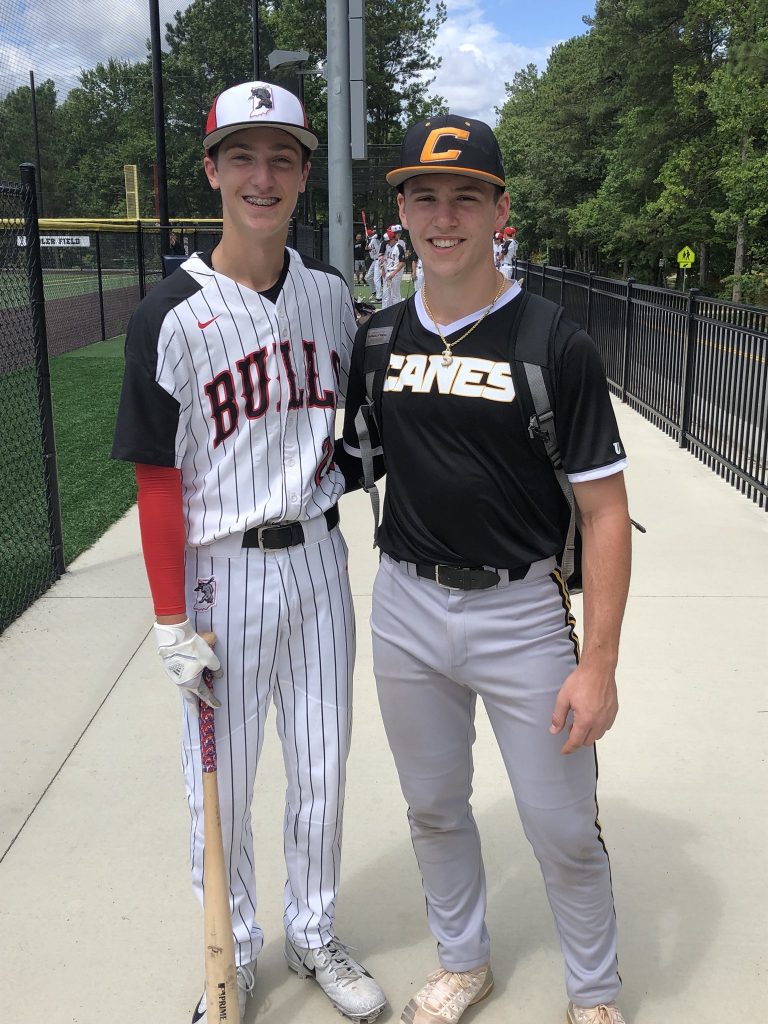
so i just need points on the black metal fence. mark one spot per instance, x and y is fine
(31, 555)
(695, 366)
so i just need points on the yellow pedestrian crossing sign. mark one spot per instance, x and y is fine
(686, 257)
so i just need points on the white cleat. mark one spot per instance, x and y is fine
(246, 976)
(447, 994)
(605, 1013)
(347, 984)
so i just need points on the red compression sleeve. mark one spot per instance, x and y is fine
(162, 536)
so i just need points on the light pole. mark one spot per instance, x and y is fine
(256, 41)
(287, 59)
(159, 113)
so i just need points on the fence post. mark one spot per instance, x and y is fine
(140, 259)
(627, 338)
(590, 282)
(42, 368)
(562, 284)
(686, 384)
(101, 286)
(543, 279)
(295, 233)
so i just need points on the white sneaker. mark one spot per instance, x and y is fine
(347, 984)
(447, 994)
(246, 976)
(605, 1013)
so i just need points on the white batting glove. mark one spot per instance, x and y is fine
(185, 655)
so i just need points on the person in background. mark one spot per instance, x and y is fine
(358, 254)
(373, 277)
(393, 267)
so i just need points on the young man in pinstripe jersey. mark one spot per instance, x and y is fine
(469, 601)
(235, 366)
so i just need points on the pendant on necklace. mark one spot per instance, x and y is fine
(447, 357)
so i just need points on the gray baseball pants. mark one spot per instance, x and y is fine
(434, 652)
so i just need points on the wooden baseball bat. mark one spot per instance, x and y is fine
(220, 971)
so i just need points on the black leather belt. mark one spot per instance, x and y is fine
(460, 578)
(283, 535)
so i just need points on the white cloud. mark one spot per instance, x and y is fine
(477, 60)
(91, 31)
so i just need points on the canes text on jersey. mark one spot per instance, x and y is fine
(255, 395)
(466, 376)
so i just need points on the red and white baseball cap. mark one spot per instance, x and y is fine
(510, 232)
(395, 228)
(256, 104)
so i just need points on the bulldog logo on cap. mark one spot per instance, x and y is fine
(261, 97)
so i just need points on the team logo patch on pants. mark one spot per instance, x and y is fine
(206, 593)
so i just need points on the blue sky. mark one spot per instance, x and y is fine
(532, 24)
(483, 43)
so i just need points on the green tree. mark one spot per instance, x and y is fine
(16, 130)
(107, 123)
(552, 133)
(737, 95)
(210, 49)
(400, 36)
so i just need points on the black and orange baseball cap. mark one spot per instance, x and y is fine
(450, 144)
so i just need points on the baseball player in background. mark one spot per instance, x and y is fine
(508, 253)
(373, 277)
(393, 266)
(235, 366)
(498, 238)
(469, 601)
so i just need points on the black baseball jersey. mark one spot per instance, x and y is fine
(239, 389)
(465, 485)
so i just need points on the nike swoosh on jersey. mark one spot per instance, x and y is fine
(202, 325)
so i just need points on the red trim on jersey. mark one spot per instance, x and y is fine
(163, 536)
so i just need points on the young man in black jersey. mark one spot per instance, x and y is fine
(469, 600)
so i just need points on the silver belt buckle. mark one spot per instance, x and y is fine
(439, 582)
(260, 533)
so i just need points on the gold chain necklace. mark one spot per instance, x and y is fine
(450, 345)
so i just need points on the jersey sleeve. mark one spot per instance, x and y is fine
(148, 414)
(587, 431)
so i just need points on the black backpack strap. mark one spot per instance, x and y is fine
(535, 351)
(381, 331)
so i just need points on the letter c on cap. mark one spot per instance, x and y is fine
(428, 154)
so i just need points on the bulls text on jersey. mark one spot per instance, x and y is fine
(255, 392)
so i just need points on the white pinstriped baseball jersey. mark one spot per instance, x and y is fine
(238, 390)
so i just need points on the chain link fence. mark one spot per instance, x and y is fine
(30, 553)
(96, 274)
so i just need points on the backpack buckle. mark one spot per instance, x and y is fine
(538, 427)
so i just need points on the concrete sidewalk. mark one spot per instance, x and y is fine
(97, 921)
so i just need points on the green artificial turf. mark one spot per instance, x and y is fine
(14, 290)
(95, 490)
